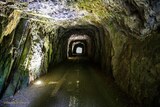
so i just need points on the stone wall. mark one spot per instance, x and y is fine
(129, 47)
(24, 54)
(30, 42)
(135, 66)
(133, 27)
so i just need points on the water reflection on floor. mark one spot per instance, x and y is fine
(71, 85)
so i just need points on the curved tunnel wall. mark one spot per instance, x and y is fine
(39, 44)
(31, 39)
(135, 70)
(79, 39)
(100, 45)
(72, 49)
(65, 33)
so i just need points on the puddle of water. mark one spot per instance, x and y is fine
(52, 82)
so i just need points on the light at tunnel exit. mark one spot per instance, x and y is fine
(79, 50)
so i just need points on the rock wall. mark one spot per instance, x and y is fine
(133, 27)
(25, 50)
(135, 66)
(129, 49)
(30, 42)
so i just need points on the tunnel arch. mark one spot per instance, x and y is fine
(101, 44)
(64, 34)
(85, 42)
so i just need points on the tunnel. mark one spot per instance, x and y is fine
(79, 53)
(88, 37)
(79, 46)
(78, 49)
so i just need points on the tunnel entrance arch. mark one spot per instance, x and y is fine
(63, 39)
(81, 41)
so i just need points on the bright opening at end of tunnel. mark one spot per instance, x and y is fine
(79, 50)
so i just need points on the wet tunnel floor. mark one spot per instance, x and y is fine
(71, 85)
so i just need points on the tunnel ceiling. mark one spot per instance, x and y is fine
(124, 34)
(136, 18)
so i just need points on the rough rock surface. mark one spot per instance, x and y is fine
(129, 46)
(134, 32)
(30, 41)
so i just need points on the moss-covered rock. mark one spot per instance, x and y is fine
(127, 44)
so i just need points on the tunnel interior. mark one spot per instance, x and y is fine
(88, 39)
(80, 49)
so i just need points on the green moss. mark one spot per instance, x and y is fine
(95, 7)
(26, 49)
(6, 70)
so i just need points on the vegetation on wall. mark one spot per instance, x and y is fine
(131, 36)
